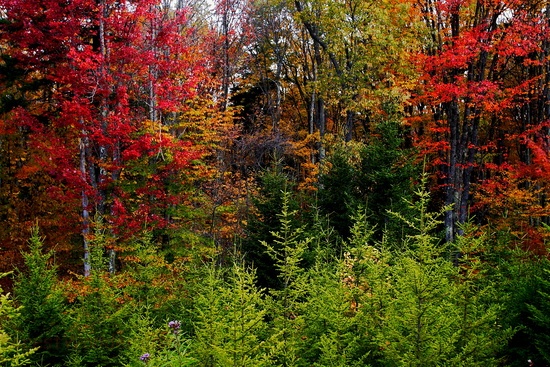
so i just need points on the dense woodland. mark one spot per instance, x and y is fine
(274, 183)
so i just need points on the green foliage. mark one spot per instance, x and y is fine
(337, 195)
(435, 305)
(98, 316)
(12, 352)
(144, 263)
(376, 175)
(385, 178)
(262, 226)
(286, 305)
(333, 334)
(229, 319)
(41, 321)
(539, 308)
(153, 345)
(482, 333)
(514, 275)
(97, 324)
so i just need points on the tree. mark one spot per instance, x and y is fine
(115, 79)
(41, 322)
(12, 352)
(230, 324)
(364, 47)
(275, 188)
(538, 307)
(285, 305)
(376, 175)
(471, 87)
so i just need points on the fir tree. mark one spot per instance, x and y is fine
(262, 225)
(41, 320)
(12, 352)
(539, 308)
(229, 323)
(286, 304)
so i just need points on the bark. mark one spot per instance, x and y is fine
(84, 147)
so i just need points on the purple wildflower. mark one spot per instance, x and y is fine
(145, 357)
(175, 326)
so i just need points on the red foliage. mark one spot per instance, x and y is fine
(96, 86)
(481, 96)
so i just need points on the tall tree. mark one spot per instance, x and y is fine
(472, 49)
(114, 78)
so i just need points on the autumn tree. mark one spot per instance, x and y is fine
(117, 78)
(471, 89)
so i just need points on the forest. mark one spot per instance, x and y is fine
(274, 183)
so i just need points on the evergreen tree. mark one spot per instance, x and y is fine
(384, 179)
(338, 196)
(286, 304)
(438, 313)
(333, 334)
(229, 324)
(261, 225)
(41, 320)
(150, 344)
(539, 308)
(514, 275)
(375, 175)
(12, 352)
(97, 318)
(482, 335)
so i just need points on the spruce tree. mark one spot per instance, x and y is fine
(419, 327)
(338, 194)
(375, 175)
(13, 353)
(155, 344)
(333, 334)
(264, 222)
(439, 312)
(286, 304)
(97, 318)
(229, 319)
(482, 335)
(41, 320)
(539, 308)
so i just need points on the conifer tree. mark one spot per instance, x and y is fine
(12, 352)
(540, 314)
(41, 319)
(420, 321)
(286, 304)
(333, 334)
(262, 225)
(438, 313)
(152, 345)
(376, 175)
(338, 195)
(482, 335)
(97, 317)
(229, 324)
